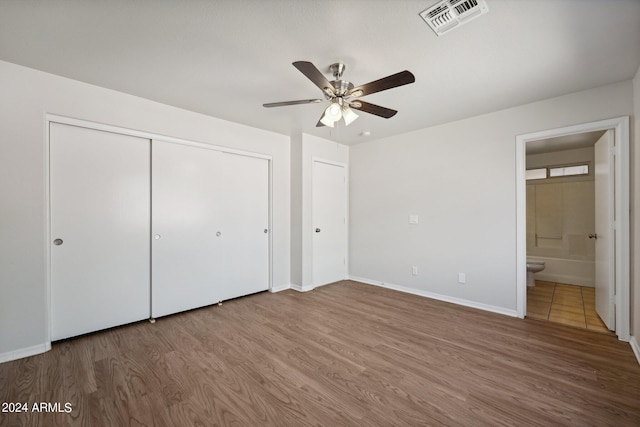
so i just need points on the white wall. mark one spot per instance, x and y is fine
(635, 215)
(27, 95)
(296, 210)
(304, 149)
(460, 179)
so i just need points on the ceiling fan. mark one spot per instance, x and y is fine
(344, 96)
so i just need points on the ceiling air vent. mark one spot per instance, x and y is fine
(449, 14)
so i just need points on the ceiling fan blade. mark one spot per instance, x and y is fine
(313, 74)
(399, 79)
(320, 124)
(284, 103)
(377, 110)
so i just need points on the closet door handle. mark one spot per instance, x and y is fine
(58, 242)
(317, 230)
(593, 236)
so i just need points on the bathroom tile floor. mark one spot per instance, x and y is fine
(567, 304)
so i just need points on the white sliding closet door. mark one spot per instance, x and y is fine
(187, 254)
(100, 229)
(245, 200)
(210, 216)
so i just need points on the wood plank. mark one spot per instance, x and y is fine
(343, 354)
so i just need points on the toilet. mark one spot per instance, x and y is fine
(533, 267)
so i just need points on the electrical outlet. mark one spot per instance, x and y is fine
(414, 270)
(462, 278)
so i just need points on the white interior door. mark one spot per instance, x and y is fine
(245, 225)
(187, 248)
(605, 237)
(100, 189)
(329, 208)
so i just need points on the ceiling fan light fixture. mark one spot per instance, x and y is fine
(326, 121)
(348, 115)
(334, 111)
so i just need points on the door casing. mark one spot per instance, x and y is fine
(620, 125)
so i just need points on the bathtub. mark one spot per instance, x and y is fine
(569, 271)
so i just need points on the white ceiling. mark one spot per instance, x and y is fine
(561, 143)
(225, 58)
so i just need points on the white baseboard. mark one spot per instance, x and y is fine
(301, 288)
(25, 352)
(446, 298)
(279, 288)
(635, 347)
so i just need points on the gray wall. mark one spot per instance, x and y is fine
(27, 95)
(460, 179)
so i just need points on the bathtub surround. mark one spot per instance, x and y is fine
(560, 217)
(569, 271)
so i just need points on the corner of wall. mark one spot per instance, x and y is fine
(635, 347)
(635, 210)
(296, 208)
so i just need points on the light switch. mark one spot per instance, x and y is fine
(413, 219)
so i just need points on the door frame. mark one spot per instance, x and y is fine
(315, 160)
(621, 221)
(54, 118)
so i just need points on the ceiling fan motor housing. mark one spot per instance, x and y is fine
(341, 87)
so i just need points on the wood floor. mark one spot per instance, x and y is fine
(346, 354)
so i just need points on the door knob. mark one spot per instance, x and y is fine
(317, 230)
(593, 236)
(58, 242)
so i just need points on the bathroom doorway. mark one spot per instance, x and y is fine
(614, 261)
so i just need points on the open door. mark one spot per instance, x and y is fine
(604, 232)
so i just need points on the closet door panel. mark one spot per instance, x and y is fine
(245, 218)
(100, 223)
(187, 251)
